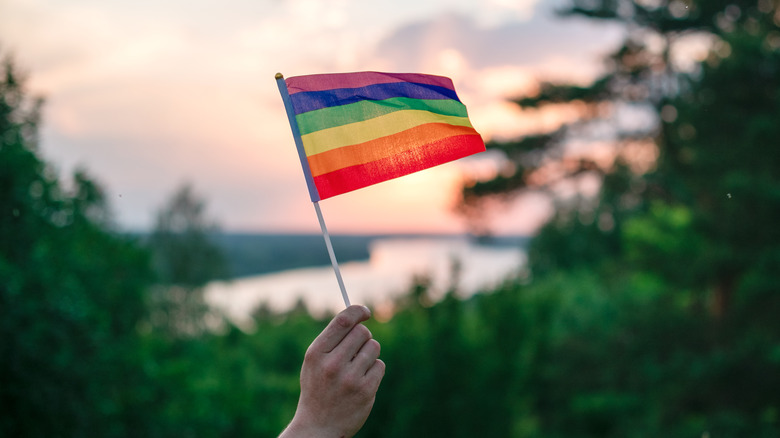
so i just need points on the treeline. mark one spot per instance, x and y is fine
(254, 254)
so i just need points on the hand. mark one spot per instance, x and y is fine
(340, 375)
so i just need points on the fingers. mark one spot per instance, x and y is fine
(368, 354)
(347, 344)
(339, 328)
(375, 373)
(352, 343)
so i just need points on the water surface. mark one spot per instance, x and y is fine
(388, 273)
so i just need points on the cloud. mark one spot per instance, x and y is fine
(534, 44)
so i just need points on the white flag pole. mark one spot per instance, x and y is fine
(310, 181)
(332, 254)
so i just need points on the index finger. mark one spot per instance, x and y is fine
(339, 327)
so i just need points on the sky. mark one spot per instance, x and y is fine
(150, 95)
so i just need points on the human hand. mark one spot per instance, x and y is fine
(340, 375)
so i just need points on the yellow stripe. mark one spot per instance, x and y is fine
(384, 147)
(361, 132)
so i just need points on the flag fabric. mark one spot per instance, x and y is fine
(358, 129)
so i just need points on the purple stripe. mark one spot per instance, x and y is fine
(314, 100)
(320, 82)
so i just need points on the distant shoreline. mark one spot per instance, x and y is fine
(256, 253)
(251, 254)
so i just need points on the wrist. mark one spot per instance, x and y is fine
(300, 428)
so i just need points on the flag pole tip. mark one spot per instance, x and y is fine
(279, 76)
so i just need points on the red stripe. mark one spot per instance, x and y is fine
(429, 155)
(330, 81)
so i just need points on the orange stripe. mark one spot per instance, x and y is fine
(383, 147)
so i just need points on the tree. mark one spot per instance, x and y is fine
(186, 259)
(71, 292)
(682, 234)
(709, 146)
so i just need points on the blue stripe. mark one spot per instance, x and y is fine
(313, 100)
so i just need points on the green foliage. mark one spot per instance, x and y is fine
(577, 354)
(70, 292)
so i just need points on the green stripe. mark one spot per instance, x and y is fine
(325, 118)
(371, 129)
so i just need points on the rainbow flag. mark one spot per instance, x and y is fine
(357, 129)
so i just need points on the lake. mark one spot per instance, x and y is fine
(392, 265)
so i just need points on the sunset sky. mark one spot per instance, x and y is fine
(148, 95)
